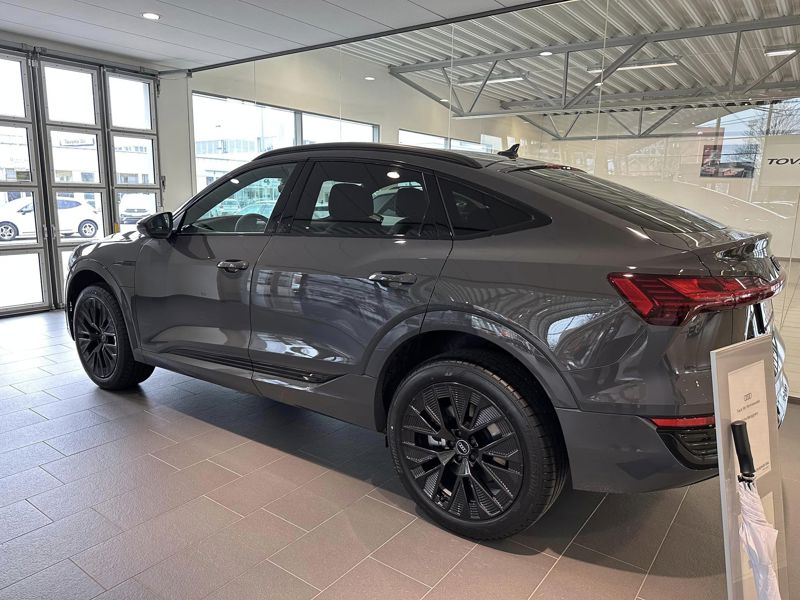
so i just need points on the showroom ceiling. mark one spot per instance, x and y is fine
(654, 54)
(193, 33)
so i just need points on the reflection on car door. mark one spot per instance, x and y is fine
(192, 291)
(339, 277)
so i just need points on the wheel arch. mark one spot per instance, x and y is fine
(88, 273)
(446, 331)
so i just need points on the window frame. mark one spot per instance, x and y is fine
(434, 214)
(538, 218)
(275, 216)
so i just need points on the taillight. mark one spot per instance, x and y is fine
(671, 299)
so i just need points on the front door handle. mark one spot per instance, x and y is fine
(393, 277)
(231, 266)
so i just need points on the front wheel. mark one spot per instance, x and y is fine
(471, 449)
(102, 340)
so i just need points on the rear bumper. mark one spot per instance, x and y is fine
(622, 453)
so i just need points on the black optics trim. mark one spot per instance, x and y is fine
(694, 447)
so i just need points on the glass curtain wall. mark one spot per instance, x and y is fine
(696, 102)
(78, 160)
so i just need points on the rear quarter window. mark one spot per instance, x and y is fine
(473, 212)
(635, 207)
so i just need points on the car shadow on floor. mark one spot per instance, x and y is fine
(617, 532)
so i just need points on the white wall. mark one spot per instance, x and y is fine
(325, 81)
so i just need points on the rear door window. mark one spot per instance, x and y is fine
(473, 212)
(636, 207)
(354, 199)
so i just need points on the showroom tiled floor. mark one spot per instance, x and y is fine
(187, 490)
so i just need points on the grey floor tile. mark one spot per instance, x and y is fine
(20, 418)
(248, 457)
(251, 492)
(196, 572)
(584, 573)
(265, 581)
(103, 432)
(193, 450)
(62, 581)
(73, 497)
(19, 518)
(164, 494)
(423, 550)
(27, 457)
(59, 408)
(371, 579)
(23, 401)
(554, 531)
(330, 550)
(128, 554)
(25, 484)
(48, 430)
(30, 553)
(690, 565)
(129, 590)
(791, 504)
(312, 503)
(630, 527)
(519, 570)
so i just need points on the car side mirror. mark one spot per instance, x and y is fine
(157, 226)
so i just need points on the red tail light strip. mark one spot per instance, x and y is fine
(671, 299)
(683, 422)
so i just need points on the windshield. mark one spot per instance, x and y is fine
(646, 211)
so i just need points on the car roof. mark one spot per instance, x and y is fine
(476, 160)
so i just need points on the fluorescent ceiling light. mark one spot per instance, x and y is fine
(444, 100)
(780, 50)
(500, 78)
(545, 53)
(670, 61)
(369, 78)
(150, 16)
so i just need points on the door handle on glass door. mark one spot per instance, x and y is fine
(231, 266)
(393, 277)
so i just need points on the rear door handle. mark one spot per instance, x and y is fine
(231, 266)
(393, 277)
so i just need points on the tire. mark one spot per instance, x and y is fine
(517, 460)
(87, 229)
(103, 343)
(8, 231)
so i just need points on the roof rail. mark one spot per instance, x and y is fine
(445, 155)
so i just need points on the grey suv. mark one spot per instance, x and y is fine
(509, 324)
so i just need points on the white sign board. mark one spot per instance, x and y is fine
(744, 390)
(780, 165)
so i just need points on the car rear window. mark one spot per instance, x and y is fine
(633, 206)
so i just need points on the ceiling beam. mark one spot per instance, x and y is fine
(662, 36)
(483, 85)
(662, 120)
(634, 100)
(607, 72)
(427, 93)
(764, 77)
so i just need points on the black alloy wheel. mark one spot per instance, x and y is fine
(104, 346)
(462, 451)
(476, 444)
(96, 337)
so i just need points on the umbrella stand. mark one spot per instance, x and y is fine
(758, 537)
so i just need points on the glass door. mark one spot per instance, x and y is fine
(23, 258)
(77, 181)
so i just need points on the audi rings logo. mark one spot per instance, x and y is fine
(462, 447)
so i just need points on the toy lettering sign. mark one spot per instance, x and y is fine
(780, 165)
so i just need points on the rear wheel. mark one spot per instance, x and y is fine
(102, 340)
(472, 449)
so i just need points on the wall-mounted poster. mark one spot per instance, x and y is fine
(717, 163)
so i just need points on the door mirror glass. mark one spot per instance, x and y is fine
(156, 226)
